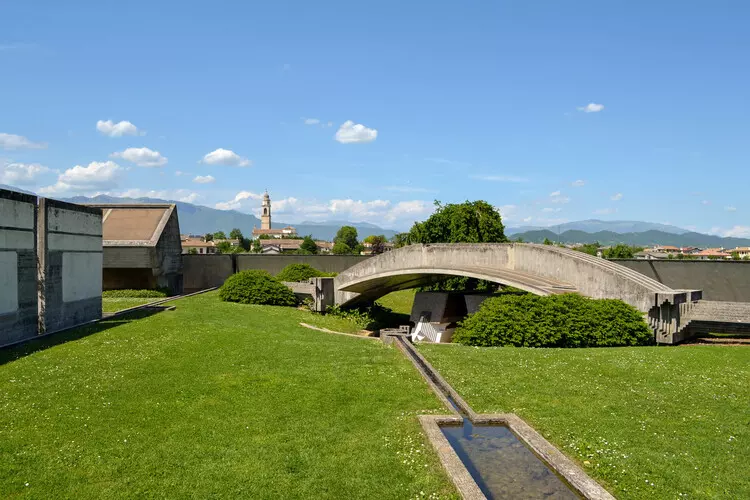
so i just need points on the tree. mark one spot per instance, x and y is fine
(400, 240)
(219, 235)
(341, 248)
(192, 251)
(589, 248)
(619, 251)
(257, 247)
(347, 235)
(235, 234)
(468, 222)
(208, 237)
(736, 256)
(308, 245)
(377, 243)
(547, 241)
(224, 247)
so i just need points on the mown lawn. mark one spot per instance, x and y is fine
(214, 400)
(400, 302)
(647, 422)
(114, 304)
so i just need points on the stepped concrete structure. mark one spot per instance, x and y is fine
(539, 269)
(709, 316)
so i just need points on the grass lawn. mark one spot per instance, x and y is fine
(648, 422)
(214, 400)
(400, 302)
(113, 304)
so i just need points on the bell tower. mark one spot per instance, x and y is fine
(265, 218)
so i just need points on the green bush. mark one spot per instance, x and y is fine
(256, 287)
(567, 320)
(371, 317)
(121, 294)
(300, 272)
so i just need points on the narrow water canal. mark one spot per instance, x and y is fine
(502, 465)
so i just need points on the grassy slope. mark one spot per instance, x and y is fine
(118, 304)
(652, 422)
(400, 302)
(213, 400)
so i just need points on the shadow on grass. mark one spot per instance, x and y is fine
(14, 352)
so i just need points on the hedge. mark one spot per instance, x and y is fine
(300, 272)
(120, 294)
(567, 320)
(256, 287)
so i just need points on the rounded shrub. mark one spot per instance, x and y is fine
(120, 294)
(567, 320)
(299, 272)
(256, 287)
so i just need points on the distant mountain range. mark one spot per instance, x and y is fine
(595, 225)
(645, 238)
(197, 219)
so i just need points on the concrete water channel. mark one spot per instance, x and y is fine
(498, 455)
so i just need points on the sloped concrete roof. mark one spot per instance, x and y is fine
(133, 224)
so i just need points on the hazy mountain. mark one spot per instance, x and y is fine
(645, 238)
(595, 225)
(13, 188)
(197, 219)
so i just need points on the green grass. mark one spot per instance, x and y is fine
(652, 422)
(213, 400)
(400, 302)
(118, 304)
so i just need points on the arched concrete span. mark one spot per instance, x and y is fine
(540, 269)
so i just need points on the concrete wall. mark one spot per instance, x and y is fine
(69, 242)
(168, 270)
(205, 271)
(727, 281)
(18, 286)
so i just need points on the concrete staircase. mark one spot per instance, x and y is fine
(706, 316)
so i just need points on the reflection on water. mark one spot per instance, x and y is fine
(503, 466)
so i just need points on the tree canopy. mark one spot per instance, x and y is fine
(308, 245)
(235, 234)
(348, 236)
(219, 235)
(341, 248)
(468, 222)
(376, 242)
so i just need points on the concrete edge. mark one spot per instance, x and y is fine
(546, 451)
(326, 330)
(454, 467)
(555, 459)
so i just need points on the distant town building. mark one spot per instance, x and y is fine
(198, 245)
(712, 254)
(265, 223)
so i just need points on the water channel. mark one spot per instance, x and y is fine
(499, 462)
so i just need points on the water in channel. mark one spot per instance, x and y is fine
(502, 465)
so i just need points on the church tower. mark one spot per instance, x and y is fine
(265, 218)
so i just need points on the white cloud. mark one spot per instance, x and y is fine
(226, 157)
(21, 174)
(178, 173)
(550, 210)
(236, 203)
(415, 209)
(616, 197)
(605, 211)
(183, 195)
(498, 178)
(358, 208)
(730, 209)
(591, 107)
(734, 232)
(557, 197)
(578, 183)
(12, 141)
(204, 179)
(119, 129)
(96, 176)
(143, 157)
(351, 133)
(705, 202)
(190, 198)
(310, 121)
(527, 219)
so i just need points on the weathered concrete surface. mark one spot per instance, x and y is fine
(142, 247)
(204, 271)
(540, 269)
(70, 264)
(18, 285)
(719, 280)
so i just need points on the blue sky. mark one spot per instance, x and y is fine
(552, 111)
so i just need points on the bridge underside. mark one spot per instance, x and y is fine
(375, 286)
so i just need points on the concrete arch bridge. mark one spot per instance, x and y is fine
(539, 269)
